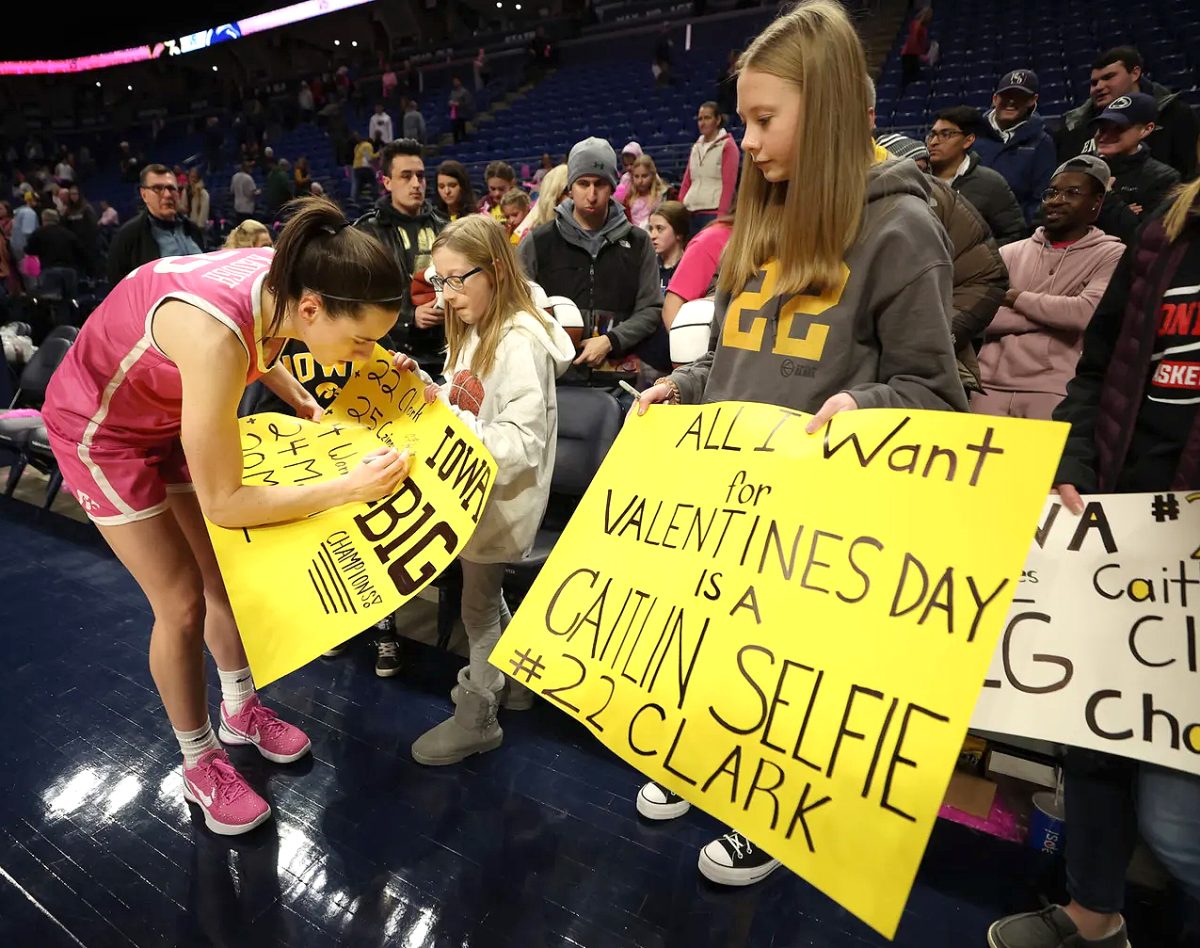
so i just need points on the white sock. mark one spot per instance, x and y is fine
(197, 742)
(236, 688)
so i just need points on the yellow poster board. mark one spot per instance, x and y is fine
(300, 588)
(791, 630)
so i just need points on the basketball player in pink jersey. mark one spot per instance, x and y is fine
(142, 418)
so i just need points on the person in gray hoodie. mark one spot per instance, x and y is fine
(592, 255)
(835, 288)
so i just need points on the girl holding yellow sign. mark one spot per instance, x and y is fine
(835, 285)
(503, 357)
(142, 418)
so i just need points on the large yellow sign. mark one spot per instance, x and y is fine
(791, 631)
(300, 588)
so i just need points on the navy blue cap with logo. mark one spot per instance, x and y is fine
(1019, 80)
(1137, 108)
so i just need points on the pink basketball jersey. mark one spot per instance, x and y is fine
(115, 384)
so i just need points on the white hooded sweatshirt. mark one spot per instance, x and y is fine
(518, 424)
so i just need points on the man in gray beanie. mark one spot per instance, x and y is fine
(592, 255)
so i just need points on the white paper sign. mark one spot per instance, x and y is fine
(1102, 647)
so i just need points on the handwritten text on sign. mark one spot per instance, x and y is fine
(300, 588)
(1102, 647)
(793, 633)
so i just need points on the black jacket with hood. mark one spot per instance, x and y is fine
(1172, 142)
(991, 196)
(1141, 179)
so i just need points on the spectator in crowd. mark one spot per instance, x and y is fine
(248, 234)
(1140, 180)
(1013, 140)
(79, 218)
(461, 106)
(60, 255)
(1134, 411)
(304, 100)
(278, 187)
(647, 192)
(916, 47)
(414, 122)
(25, 222)
(695, 277)
(551, 193)
(364, 167)
(515, 208)
(157, 232)
(539, 54)
(388, 83)
(668, 230)
(455, 196)
(127, 162)
(407, 226)
(199, 201)
(479, 67)
(499, 177)
(380, 125)
(6, 220)
(980, 279)
(661, 68)
(302, 177)
(819, 218)
(546, 164)
(710, 182)
(1117, 73)
(65, 170)
(952, 160)
(244, 191)
(214, 144)
(1057, 277)
(592, 255)
(10, 274)
(629, 154)
(108, 215)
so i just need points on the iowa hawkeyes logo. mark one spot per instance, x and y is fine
(328, 390)
(1121, 102)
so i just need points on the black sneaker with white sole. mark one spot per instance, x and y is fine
(387, 651)
(656, 802)
(734, 860)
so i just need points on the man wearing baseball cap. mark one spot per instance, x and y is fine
(1116, 73)
(592, 255)
(1121, 130)
(1013, 140)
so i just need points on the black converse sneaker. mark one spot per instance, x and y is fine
(656, 802)
(387, 650)
(734, 860)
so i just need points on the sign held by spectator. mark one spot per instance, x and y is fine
(791, 630)
(1102, 647)
(348, 567)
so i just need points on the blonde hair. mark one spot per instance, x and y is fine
(808, 222)
(554, 184)
(658, 187)
(247, 234)
(482, 242)
(1183, 206)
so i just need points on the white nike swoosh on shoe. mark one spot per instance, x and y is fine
(204, 797)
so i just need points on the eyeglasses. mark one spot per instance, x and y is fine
(1071, 194)
(160, 188)
(456, 283)
(945, 134)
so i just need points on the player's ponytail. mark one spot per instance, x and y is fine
(319, 252)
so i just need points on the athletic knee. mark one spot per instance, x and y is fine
(183, 613)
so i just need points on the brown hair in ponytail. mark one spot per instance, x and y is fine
(319, 252)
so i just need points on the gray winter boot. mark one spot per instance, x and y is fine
(472, 729)
(514, 696)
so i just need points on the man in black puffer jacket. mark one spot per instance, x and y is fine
(1139, 180)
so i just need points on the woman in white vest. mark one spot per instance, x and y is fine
(710, 182)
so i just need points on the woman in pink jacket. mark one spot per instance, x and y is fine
(710, 182)
(1056, 279)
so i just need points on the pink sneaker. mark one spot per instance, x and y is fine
(275, 739)
(229, 805)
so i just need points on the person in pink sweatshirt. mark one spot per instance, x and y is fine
(710, 182)
(1056, 279)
